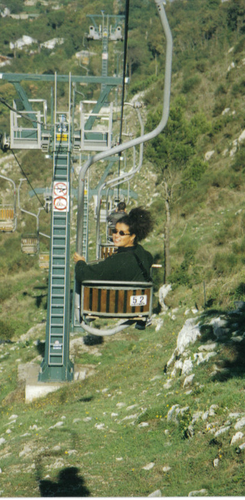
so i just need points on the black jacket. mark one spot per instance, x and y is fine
(129, 264)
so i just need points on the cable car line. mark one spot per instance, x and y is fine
(19, 112)
(124, 66)
(124, 77)
(29, 182)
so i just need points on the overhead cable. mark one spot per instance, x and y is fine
(29, 182)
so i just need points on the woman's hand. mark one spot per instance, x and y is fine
(77, 257)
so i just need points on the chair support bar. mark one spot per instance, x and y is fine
(104, 333)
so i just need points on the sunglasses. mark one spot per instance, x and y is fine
(122, 233)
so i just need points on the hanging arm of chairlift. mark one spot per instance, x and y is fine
(129, 144)
(120, 179)
(166, 99)
(14, 202)
(138, 140)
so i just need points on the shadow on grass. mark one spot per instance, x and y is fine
(86, 400)
(68, 484)
(231, 336)
(41, 348)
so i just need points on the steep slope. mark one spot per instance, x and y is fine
(154, 414)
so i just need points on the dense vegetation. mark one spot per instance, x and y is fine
(198, 159)
(206, 114)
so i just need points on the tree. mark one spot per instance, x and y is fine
(15, 6)
(167, 262)
(176, 159)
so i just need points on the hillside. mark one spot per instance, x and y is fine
(153, 413)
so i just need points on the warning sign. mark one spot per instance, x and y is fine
(61, 197)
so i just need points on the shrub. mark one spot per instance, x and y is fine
(182, 276)
(142, 84)
(193, 172)
(221, 90)
(6, 330)
(238, 88)
(5, 293)
(240, 46)
(190, 84)
(239, 248)
(201, 65)
(239, 293)
(224, 263)
(219, 106)
(239, 162)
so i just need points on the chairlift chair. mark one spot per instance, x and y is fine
(8, 217)
(106, 250)
(29, 243)
(129, 301)
(44, 260)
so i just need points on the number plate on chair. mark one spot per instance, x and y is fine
(138, 300)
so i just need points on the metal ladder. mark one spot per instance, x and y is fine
(58, 275)
(56, 365)
(85, 220)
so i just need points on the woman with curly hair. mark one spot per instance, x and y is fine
(131, 262)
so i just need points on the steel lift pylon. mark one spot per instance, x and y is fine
(56, 365)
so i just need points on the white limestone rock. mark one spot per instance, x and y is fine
(149, 466)
(188, 380)
(187, 366)
(156, 493)
(222, 430)
(241, 137)
(188, 335)
(166, 468)
(236, 437)
(208, 155)
(199, 493)
(240, 423)
(162, 294)
(202, 358)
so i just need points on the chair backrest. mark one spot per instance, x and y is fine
(116, 299)
(106, 250)
(29, 244)
(7, 219)
(44, 260)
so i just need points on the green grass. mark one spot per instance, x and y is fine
(102, 448)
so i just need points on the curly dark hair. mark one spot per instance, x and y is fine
(139, 222)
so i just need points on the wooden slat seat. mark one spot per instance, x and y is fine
(44, 260)
(106, 250)
(29, 244)
(116, 299)
(7, 219)
(6, 214)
